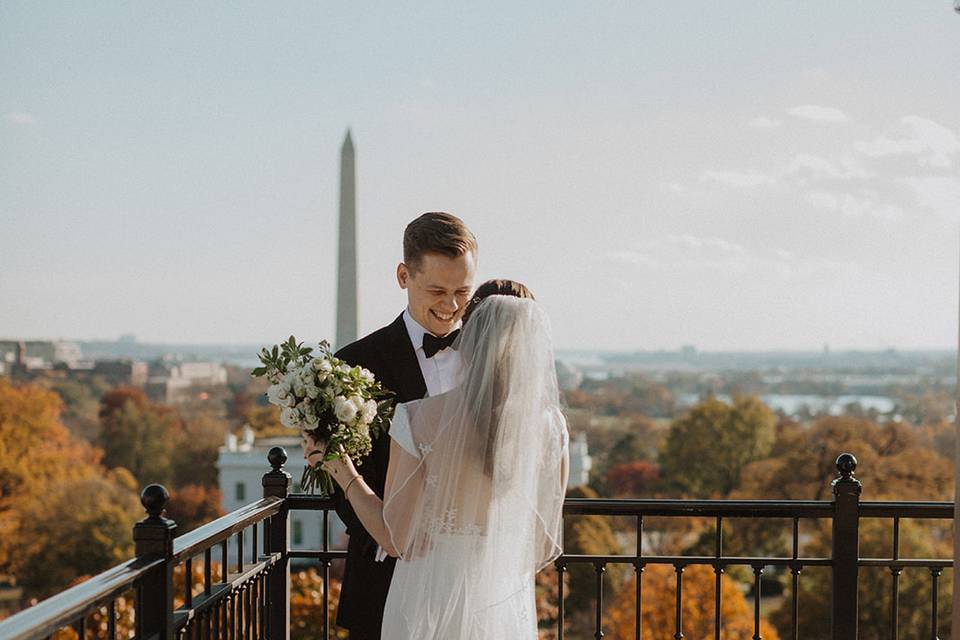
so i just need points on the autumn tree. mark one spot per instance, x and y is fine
(709, 446)
(875, 586)
(658, 607)
(306, 606)
(192, 506)
(547, 591)
(893, 464)
(193, 459)
(589, 535)
(94, 514)
(637, 479)
(265, 422)
(81, 403)
(138, 435)
(36, 452)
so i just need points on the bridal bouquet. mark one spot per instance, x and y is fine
(339, 405)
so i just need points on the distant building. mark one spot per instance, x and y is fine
(181, 381)
(40, 354)
(241, 465)
(580, 461)
(122, 372)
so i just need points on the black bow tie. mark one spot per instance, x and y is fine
(432, 344)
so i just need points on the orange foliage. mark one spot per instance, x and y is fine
(633, 479)
(35, 449)
(306, 600)
(697, 607)
(192, 506)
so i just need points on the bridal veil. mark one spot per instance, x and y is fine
(474, 496)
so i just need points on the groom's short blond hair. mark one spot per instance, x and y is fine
(436, 232)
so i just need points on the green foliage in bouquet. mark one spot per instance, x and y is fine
(342, 407)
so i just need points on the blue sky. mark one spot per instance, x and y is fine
(748, 175)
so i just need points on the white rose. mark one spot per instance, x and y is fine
(312, 391)
(369, 411)
(367, 375)
(344, 368)
(274, 394)
(310, 415)
(299, 389)
(357, 402)
(322, 364)
(345, 410)
(290, 417)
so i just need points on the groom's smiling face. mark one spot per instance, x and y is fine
(438, 288)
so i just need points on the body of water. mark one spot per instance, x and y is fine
(791, 404)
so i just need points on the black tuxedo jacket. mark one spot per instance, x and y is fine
(390, 355)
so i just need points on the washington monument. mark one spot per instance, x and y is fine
(347, 251)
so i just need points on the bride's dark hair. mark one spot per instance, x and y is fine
(497, 287)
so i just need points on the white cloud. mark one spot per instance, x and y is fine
(820, 168)
(634, 258)
(675, 187)
(712, 245)
(938, 193)
(854, 206)
(21, 118)
(818, 113)
(804, 168)
(738, 179)
(933, 142)
(689, 252)
(763, 122)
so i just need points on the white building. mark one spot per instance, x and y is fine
(180, 381)
(580, 461)
(242, 463)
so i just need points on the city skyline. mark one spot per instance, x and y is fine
(762, 177)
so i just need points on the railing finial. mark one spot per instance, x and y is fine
(846, 465)
(154, 499)
(277, 457)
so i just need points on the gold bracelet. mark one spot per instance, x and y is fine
(347, 488)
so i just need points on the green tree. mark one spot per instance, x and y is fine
(194, 457)
(708, 447)
(137, 435)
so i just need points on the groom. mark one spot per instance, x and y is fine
(412, 358)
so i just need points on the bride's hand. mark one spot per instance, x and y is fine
(341, 470)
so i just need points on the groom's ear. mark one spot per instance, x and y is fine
(403, 275)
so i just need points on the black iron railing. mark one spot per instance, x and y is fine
(251, 597)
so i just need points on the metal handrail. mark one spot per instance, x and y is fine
(51, 614)
(887, 509)
(706, 508)
(264, 584)
(202, 538)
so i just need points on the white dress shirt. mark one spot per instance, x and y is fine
(441, 373)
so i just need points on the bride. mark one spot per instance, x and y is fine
(474, 487)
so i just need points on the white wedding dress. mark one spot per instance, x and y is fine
(475, 486)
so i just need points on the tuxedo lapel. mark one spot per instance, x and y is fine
(404, 367)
